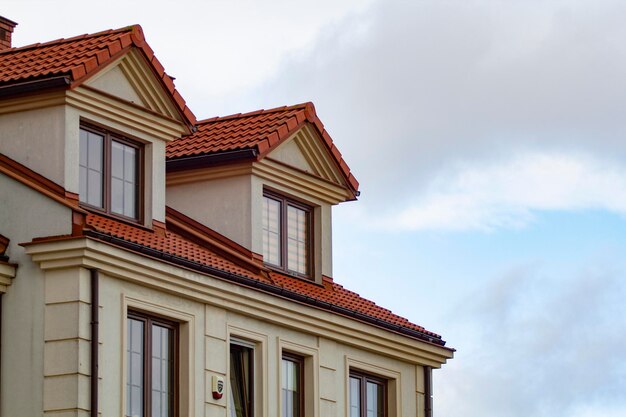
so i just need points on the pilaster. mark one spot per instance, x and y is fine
(67, 336)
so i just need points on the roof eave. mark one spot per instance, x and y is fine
(262, 286)
(209, 160)
(35, 86)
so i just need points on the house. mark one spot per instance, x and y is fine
(155, 265)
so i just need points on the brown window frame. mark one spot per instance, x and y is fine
(285, 202)
(250, 384)
(148, 321)
(299, 360)
(108, 138)
(364, 378)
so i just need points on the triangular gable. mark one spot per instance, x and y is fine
(305, 151)
(70, 63)
(231, 139)
(116, 83)
(132, 79)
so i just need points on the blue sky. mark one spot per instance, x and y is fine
(488, 137)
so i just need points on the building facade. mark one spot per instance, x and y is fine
(155, 265)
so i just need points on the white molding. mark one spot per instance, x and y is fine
(129, 266)
(299, 182)
(259, 341)
(146, 85)
(120, 111)
(308, 354)
(393, 377)
(186, 343)
(32, 102)
(7, 273)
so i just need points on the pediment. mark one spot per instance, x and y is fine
(131, 79)
(305, 151)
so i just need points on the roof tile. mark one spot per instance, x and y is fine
(262, 130)
(80, 57)
(170, 243)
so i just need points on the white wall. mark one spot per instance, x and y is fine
(24, 215)
(224, 205)
(212, 329)
(36, 138)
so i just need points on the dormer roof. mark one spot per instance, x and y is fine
(255, 135)
(68, 63)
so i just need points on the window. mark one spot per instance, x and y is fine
(241, 379)
(292, 386)
(109, 172)
(287, 234)
(367, 396)
(152, 367)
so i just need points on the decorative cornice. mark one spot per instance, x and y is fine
(290, 178)
(300, 181)
(121, 111)
(32, 102)
(209, 289)
(7, 273)
(145, 84)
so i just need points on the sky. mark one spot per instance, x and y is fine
(488, 138)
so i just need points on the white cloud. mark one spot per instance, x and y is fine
(538, 344)
(506, 194)
(431, 82)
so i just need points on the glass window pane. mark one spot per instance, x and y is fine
(82, 182)
(129, 200)
(355, 397)
(91, 172)
(124, 186)
(130, 156)
(135, 358)
(117, 196)
(82, 147)
(94, 188)
(291, 396)
(297, 231)
(95, 151)
(374, 399)
(240, 381)
(117, 160)
(162, 370)
(271, 231)
(156, 405)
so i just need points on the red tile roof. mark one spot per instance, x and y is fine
(213, 251)
(261, 130)
(169, 243)
(80, 57)
(175, 247)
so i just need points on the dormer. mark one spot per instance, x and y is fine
(266, 180)
(93, 114)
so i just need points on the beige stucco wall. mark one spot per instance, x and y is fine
(233, 206)
(154, 159)
(211, 311)
(47, 140)
(115, 83)
(207, 345)
(226, 205)
(290, 154)
(322, 221)
(24, 215)
(36, 138)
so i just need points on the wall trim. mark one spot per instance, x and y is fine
(129, 266)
